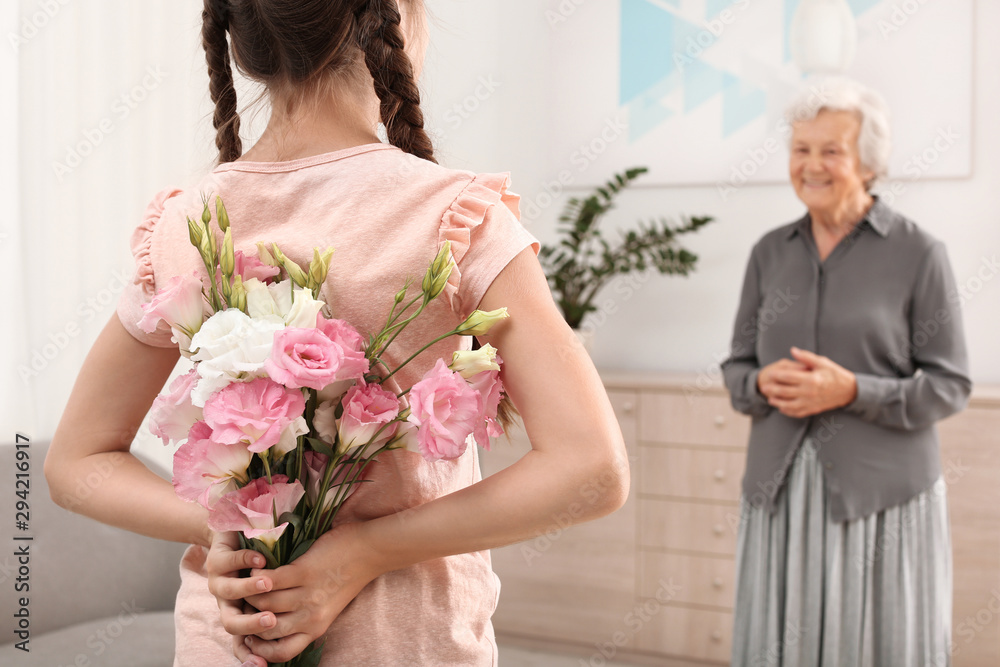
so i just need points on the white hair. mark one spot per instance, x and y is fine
(838, 93)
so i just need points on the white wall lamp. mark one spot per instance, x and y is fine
(824, 37)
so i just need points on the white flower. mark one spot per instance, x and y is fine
(268, 301)
(277, 300)
(230, 346)
(304, 310)
(334, 390)
(324, 421)
(472, 362)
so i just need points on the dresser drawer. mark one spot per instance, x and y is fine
(709, 474)
(691, 420)
(703, 580)
(688, 633)
(688, 526)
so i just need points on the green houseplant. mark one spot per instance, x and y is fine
(584, 261)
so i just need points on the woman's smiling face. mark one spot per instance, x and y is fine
(825, 166)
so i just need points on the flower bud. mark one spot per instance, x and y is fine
(265, 255)
(295, 272)
(472, 362)
(480, 322)
(320, 266)
(228, 261)
(213, 246)
(221, 214)
(205, 248)
(194, 233)
(206, 215)
(401, 294)
(239, 299)
(438, 272)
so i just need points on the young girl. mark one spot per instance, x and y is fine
(405, 579)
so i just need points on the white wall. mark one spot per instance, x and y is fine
(673, 323)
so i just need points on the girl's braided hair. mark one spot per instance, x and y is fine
(297, 45)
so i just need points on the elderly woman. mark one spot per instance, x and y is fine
(847, 348)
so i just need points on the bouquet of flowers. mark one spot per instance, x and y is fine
(286, 407)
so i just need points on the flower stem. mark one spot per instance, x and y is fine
(414, 355)
(267, 466)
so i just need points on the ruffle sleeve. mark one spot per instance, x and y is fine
(484, 228)
(142, 287)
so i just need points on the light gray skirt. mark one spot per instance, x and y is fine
(871, 592)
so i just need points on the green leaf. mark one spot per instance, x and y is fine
(294, 519)
(262, 548)
(321, 446)
(300, 549)
(310, 657)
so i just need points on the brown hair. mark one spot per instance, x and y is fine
(298, 46)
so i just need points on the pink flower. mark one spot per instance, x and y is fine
(341, 333)
(354, 364)
(179, 304)
(367, 408)
(173, 414)
(315, 465)
(249, 267)
(490, 387)
(252, 509)
(306, 357)
(445, 409)
(205, 470)
(260, 413)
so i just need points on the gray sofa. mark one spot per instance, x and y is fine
(98, 596)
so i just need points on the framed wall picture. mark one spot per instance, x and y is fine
(695, 89)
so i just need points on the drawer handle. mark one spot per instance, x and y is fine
(717, 636)
(717, 583)
(628, 408)
(720, 475)
(719, 421)
(718, 529)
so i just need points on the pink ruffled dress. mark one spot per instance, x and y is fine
(387, 213)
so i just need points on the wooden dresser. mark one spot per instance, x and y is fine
(653, 582)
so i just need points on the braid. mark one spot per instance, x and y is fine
(220, 74)
(391, 69)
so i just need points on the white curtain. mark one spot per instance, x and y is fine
(112, 107)
(13, 333)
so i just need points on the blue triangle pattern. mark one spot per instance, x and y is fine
(647, 47)
(644, 114)
(701, 82)
(741, 103)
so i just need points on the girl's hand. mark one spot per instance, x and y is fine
(818, 385)
(310, 593)
(223, 565)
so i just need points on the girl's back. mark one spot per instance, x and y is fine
(385, 585)
(386, 213)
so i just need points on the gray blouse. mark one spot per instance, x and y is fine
(883, 305)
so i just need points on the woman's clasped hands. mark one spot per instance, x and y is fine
(807, 384)
(274, 615)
